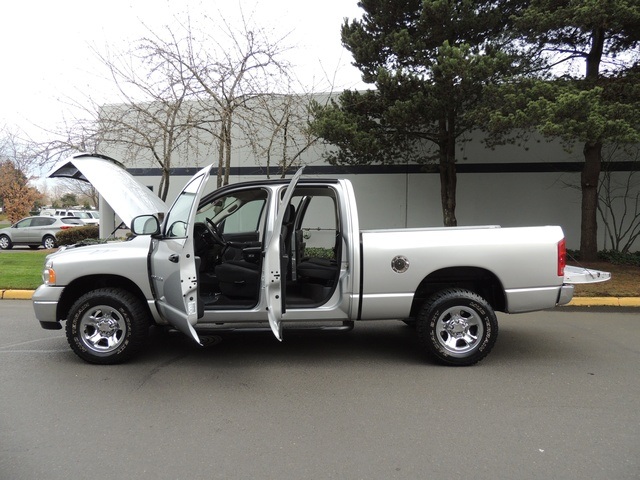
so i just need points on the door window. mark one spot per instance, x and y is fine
(24, 223)
(42, 221)
(176, 225)
(241, 212)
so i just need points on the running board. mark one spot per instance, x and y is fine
(344, 327)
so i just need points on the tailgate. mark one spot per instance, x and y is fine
(575, 275)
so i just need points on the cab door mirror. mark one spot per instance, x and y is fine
(145, 225)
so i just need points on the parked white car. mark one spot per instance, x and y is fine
(88, 217)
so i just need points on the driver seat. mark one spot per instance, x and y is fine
(241, 278)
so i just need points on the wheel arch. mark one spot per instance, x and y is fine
(82, 285)
(481, 281)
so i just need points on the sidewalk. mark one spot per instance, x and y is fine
(576, 302)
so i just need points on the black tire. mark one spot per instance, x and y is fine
(49, 242)
(107, 326)
(457, 327)
(5, 242)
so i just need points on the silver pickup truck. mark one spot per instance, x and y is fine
(284, 254)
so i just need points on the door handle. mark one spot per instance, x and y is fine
(174, 258)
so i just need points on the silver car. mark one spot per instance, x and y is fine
(36, 231)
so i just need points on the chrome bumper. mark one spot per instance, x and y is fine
(45, 304)
(566, 294)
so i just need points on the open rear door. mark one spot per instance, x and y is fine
(274, 268)
(174, 274)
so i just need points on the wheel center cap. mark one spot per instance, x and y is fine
(457, 326)
(107, 327)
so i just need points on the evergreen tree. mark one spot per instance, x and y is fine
(591, 48)
(430, 61)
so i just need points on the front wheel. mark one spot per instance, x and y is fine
(457, 327)
(5, 242)
(107, 326)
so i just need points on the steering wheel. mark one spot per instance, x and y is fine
(215, 232)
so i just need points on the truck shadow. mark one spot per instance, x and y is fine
(392, 342)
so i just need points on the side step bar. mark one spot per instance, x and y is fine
(345, 326)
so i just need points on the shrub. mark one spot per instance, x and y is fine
(618, 258)
(319, 252)
(612, 256)
(74, 235)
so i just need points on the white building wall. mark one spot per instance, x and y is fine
(504, 187)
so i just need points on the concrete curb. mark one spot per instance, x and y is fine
(575, 302)
(16, 294)
(604, 302)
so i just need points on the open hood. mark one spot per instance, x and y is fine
(126, 195)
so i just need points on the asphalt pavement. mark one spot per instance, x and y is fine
(557, 398)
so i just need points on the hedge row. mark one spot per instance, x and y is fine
(74, 235)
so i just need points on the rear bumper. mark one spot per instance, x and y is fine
(566, 294)
(523, 300)
(45, 304)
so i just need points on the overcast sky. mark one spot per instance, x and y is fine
(46, 45)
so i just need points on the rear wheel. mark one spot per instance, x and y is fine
(457, 327)
(5, 242)
(107, 326)
(49, 242)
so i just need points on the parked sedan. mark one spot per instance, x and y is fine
(36, 231)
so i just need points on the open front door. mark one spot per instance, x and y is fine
(274, 267)
(173, 263)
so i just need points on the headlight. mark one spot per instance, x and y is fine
(49, 274)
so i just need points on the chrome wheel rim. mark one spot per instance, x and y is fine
(102, 329)
(4, 242)
(49, 243)
(459, 330)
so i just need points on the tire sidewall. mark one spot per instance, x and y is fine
(435, 309)
(77, 312)
(6, 242)
(46, 239)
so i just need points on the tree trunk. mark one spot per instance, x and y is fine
(589, 182)
(448, 176)
(221, 146)
(164, 184)
(590, 176)
(227, 162)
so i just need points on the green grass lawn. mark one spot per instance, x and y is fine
(21, 270)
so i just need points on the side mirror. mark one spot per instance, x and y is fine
(145, 225)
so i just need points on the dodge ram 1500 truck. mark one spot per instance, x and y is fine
(284, 254)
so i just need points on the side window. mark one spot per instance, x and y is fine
(246, 218)
(240, 212)
(176, 223)
(42, 221)
(317, 228)
(24, 223)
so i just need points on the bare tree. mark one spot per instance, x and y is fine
(225, 67)
(278, 131)
(619, 204)
(155, 117)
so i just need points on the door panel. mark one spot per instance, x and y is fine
(273, 271)
(173, 263)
